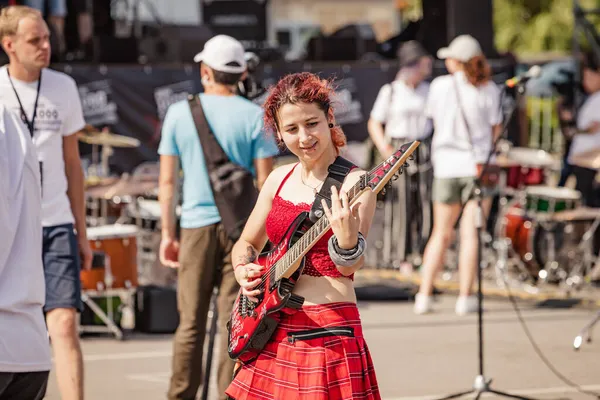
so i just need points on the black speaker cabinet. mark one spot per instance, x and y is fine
(110, 49)
(443, 20)
(156, 309)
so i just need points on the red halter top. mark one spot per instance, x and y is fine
(282, 214)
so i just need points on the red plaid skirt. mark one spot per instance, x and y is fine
(308, 365)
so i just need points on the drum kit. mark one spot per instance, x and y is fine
(542, 232)
(123, 230)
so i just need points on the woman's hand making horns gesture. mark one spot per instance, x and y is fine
(344, 220)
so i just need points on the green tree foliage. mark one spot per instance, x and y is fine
(531, 26)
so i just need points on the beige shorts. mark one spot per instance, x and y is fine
(456, 190)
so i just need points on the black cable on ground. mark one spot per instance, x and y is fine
(539, 351)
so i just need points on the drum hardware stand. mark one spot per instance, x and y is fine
(586, 331)
(107, 317)
(388, 215)
(481, 384)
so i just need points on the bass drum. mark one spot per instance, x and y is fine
(538, 242)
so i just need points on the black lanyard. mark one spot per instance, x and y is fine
(30, 124)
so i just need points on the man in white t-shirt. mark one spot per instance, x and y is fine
(398, 116)
(24, 347)
(48, 103)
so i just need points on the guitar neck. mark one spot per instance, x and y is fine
(283, 268)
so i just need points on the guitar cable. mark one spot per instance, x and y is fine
(537, 349)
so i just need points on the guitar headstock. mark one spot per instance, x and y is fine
(378, 177)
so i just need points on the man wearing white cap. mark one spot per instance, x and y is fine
(466, 114)
(205, 248)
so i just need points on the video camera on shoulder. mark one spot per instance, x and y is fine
(251, 87)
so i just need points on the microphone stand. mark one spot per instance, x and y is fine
(211, 337)
(482, 384)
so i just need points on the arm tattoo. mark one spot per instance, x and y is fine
(249, 257)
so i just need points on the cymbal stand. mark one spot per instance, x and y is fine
(107, 151)
(587, 246)
(586, 331)
(502, 244)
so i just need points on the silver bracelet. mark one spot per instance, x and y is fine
(346, 260)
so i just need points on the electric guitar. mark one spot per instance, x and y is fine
(251, 324)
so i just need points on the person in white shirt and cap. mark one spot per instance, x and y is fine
(398, 116)
(467, 117)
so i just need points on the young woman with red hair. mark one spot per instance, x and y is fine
(330, 364)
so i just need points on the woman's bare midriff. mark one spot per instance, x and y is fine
(325, 289)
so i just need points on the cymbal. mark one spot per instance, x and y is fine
(126, 186)
(109, 139)
(590, 159)
(577, 214)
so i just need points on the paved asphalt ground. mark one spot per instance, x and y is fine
(416, 357)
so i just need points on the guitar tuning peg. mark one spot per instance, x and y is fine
(383, 191)
(395, 177)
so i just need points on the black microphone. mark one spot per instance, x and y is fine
(533, 72)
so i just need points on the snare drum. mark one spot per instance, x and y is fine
(119, 242)
(546, 199)
(527, 167)
(519, 176)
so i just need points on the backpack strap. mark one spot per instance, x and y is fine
(337, 174)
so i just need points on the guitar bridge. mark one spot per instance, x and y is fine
(246, 308)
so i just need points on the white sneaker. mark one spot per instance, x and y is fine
(423, 304)
(466, 305)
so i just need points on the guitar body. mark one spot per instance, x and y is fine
(251, 325)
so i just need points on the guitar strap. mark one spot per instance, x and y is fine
(337, 173)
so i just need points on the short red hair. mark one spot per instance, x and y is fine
(302, 87)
